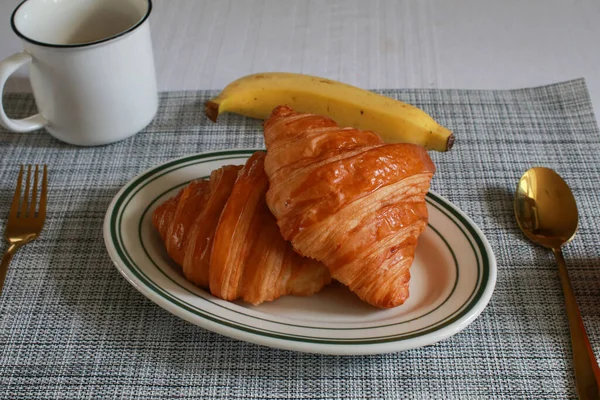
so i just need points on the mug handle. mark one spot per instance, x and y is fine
(7, 67)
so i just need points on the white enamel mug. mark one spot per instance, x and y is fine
(91, 68)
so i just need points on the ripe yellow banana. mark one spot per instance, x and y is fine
(396, 122)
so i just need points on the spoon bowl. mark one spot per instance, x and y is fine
(546, 212)
(545, 208)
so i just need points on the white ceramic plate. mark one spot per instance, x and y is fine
(453, 277)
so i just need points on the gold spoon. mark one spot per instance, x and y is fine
(546, 212)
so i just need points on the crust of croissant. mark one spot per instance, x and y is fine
(250, 259)
(344, 198)
(174, 218)
(197, 256)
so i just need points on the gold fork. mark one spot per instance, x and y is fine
(24, 222)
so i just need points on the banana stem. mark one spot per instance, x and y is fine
(212, 110)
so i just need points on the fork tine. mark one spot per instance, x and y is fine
(25, 202)
(14, 208)
(44, 194)
(34, 192)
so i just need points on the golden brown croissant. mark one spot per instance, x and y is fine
(225, 238)
(200, 237)
(343, 197)
(173, 219)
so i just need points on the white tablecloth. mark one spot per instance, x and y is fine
(204, 44)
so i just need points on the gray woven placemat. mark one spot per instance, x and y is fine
(72, 327)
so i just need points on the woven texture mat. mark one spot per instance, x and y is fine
(72, 327)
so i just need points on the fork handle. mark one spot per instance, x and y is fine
(8, 255)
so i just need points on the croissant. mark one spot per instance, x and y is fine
(226, 240)
(343, 197)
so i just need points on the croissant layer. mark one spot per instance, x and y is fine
(226, 240)
(344, 198)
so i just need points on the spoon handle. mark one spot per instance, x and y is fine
(587, 373)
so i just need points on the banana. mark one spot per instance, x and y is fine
(256, 95)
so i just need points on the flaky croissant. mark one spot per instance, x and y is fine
(343, 197)
(225, 238)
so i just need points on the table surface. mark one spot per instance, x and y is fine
(62, 337)
(72, 328)
(467, 44)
